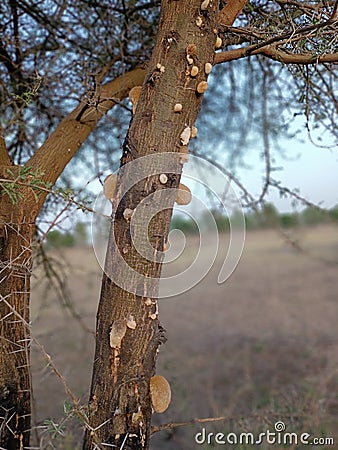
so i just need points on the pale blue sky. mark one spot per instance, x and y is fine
(311, 170)
(314, 172)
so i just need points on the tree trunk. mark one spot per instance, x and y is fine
(16, 232)
(17, 223)
(120, 406)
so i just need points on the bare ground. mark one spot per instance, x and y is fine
(259, 348)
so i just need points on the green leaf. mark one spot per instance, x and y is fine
(67, 407)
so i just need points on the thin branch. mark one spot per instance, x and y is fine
(306, 8)
(251, 201)
(53, 156)
(299, 58)
(58, 282)
(272, 52)
(45, 191)
(287, 35)
(171, 425)
(266, 141)
(286, 191)
(77, 409)
(73, 398)
(269, 47)
(13, 69)
(168, 426)
(334, 15)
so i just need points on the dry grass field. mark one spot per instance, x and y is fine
(259, 348)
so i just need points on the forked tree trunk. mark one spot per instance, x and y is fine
(17, 222)
(16, 232)
(120, 407)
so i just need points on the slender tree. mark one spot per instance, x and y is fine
(120, 403)
(120, 407)
(285, 32)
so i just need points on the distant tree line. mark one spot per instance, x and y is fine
(267, 217)
(77, 237)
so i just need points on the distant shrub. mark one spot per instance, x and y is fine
(237, 219)
(57, 239)
(251, 222)
(333, 213)
(313, 216)
(269, 215)
(288, 220)
(185, 225)
(222, 222)
(81, 234)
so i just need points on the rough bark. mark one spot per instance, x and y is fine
(231, 10)
(17, 222)
(61, 146)
(4, 158)
(16, 232)
(120, 409)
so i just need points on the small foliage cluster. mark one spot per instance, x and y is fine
(26, 177)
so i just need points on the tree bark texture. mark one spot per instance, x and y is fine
(120, 406)
(17, 223)
(16, 232)
(64, 142)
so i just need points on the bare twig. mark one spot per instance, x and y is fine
(70, 198)
(272, 52)
(171, 425)
(56, 280)
(78, 410)
(266, 141)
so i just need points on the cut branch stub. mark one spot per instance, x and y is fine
(184, 195)
(205, 4)
(185, 136)
(160, 393)
(207, 68)
(117, 332)
(134, 95)
(202, 87)
(109, 186)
